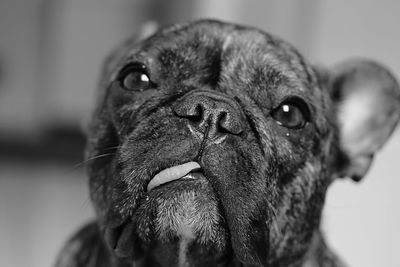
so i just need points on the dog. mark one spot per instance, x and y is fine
(214, 144)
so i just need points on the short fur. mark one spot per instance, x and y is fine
(260, 200)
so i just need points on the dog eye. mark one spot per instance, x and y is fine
(134, 77)
(292, 113)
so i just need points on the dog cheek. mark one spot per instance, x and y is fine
(101, 148)
(250, 237)
(110, 195)
(300, 207)
(100, 192)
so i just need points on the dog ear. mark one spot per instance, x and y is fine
(366, 100)
(146, 30)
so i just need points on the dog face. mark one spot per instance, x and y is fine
(213, 143)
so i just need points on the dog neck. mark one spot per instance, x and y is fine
(180, 255)
(88, 248)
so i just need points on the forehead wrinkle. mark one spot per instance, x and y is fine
(257, 50)
(284, 68)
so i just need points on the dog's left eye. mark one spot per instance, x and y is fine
(134, 77)
(292, 113)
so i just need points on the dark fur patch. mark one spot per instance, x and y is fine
(261, 191)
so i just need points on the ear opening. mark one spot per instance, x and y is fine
(366, 98)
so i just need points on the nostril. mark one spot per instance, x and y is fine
(211, 114)
(228, 124)
(222, 121)
(196, 114)
(193, 113)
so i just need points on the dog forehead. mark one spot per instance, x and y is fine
(221, 36)
(233, 46)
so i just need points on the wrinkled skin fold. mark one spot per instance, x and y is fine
(213, 99)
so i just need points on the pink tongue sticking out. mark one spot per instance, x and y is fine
(171, 174)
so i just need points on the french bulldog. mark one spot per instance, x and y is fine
(214, 144)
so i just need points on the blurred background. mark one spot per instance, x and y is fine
(50, 55)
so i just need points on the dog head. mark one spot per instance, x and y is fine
(214, 143)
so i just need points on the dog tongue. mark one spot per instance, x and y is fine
(171, 174)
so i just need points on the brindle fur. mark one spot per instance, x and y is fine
(261, 204)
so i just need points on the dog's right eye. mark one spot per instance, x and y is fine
(134, 77)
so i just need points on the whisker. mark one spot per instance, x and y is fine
(93, 158)
(86, 161)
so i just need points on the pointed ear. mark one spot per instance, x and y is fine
(366, 100)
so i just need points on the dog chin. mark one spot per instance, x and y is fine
(181, 214)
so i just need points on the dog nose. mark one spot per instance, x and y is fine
(211, 113)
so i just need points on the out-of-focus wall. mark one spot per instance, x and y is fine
(41, 205)
(51, 52)
(19, 38)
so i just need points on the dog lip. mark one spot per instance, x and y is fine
(173, 173)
